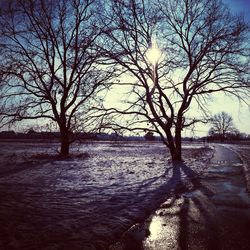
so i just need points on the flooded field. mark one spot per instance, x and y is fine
(88, 200)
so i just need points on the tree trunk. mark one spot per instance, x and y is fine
(174, 145)
(176, 156)
(170, 141)
(175, 152)
(64, 142)
(223, 136)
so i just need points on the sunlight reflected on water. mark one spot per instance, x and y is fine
(163, 234)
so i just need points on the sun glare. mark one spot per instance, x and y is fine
(154, 53)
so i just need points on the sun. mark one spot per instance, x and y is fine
(154, 53)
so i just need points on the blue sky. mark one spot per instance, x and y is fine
(240, 6)
(240, 113)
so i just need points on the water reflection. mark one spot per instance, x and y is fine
(163, 234)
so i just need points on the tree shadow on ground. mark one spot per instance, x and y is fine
(212, 241)
(184, 179)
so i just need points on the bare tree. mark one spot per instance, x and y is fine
(52, 63)
(1, 77)
(222, 125)
(203, 51)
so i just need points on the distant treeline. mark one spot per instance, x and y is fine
(229, 137)
(33, 135)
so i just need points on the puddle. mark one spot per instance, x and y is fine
(215, 215)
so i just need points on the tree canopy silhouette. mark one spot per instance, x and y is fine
(203, 51)
(173, 54)
(222, 125)
(51, 63)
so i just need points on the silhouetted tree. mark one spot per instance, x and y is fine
(1, 78)
(203, 52)
(149, 136)
(52, 63)
(222, 126)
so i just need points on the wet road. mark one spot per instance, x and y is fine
(213, 212)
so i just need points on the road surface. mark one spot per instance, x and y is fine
(213, 212)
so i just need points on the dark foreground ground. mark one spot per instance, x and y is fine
(91, 200)
(213, 214)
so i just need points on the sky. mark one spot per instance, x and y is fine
(240, 6)
(239, 112)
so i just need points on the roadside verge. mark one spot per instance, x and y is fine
(243, 154)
